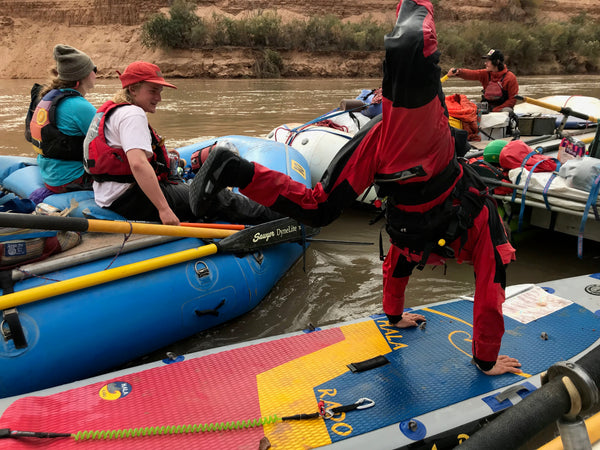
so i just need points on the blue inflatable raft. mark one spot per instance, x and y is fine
(59, 339)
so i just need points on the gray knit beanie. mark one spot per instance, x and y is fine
(72, 64)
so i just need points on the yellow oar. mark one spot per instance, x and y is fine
(96, 278)
(33, 221)
(585, 140)
(593, 428)
(564, 111)
(248, 240)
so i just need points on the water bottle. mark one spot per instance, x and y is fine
(174, 164)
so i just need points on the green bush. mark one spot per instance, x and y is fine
(223, 31)
(321, 32)
(183, 29)
(263, 29)
(269, 66)
(293, 35)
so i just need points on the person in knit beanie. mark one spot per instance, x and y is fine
(72, 64)
(58, 122)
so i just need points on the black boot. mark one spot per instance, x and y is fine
(222, 168)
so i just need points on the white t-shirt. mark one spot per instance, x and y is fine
(126, 128)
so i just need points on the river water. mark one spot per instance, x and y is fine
(334, 282)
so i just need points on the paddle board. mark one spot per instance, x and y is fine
(397, 388)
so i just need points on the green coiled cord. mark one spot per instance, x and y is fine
(173, 429)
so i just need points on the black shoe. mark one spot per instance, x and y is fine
(211, 178)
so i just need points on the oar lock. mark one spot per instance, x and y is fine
(11, 328)
(581, 388)
(201, 269)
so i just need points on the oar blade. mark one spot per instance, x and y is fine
(265, 235)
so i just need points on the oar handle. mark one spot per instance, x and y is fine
(563, 110)
(444, 78)
(17, 220)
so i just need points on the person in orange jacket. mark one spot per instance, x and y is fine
(500, 85)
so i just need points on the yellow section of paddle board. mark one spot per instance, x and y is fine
(288, 389)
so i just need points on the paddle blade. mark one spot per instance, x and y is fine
(265, 235)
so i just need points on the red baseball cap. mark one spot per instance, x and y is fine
(142, 71)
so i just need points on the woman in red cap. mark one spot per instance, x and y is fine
(131, 165)
(499, 84)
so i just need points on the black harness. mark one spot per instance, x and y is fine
(431, 231)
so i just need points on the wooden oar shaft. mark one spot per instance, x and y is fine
(106, 226)
(80, 224)
(96, 278)
(219, 226)
(565, 111)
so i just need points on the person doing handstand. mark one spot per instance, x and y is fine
(437, 208)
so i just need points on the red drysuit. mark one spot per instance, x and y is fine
(409, 153)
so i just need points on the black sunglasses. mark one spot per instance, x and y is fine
(95, 69)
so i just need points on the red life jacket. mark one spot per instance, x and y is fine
(494, 91)
(46, 138)
(106, 163)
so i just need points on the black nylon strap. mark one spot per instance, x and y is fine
(368, 364)
(11, 318)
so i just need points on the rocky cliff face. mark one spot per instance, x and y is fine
(133, 12)
(81, 13)
(109, 31)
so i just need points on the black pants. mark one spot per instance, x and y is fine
(229, 207)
